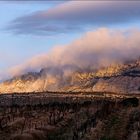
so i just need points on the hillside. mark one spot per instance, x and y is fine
(43, 117)
(122, 78)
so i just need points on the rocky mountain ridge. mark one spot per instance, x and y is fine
(120, 78)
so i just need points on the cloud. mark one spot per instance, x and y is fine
(93, 50)
(76, 15)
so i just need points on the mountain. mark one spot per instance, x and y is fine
(119, 78)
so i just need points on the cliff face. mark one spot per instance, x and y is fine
(116, 78)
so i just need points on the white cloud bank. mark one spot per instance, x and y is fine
(94, 49)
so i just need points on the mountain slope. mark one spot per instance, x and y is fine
(124, 78)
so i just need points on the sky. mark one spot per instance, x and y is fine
(30, 29)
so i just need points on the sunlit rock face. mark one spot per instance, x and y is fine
(122, 78)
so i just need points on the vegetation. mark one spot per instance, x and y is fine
(64, 117)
